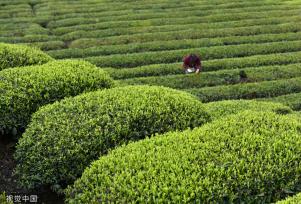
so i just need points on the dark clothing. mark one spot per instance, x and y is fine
(192, 62)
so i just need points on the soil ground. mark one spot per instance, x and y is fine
(9, 184)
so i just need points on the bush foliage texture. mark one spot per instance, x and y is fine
(251, 157)
(63, 138)
(221, 109)
(20, 55)
(23, 90)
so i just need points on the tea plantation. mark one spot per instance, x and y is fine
(95, 106)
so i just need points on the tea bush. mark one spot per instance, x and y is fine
(159, 18)
(63, 138)
(291, 100)
(264, 89)
(49, 45)
(23, 90)
(222, 77)
(159, 21)
(220, 109)
(251, 157)
(20, 55)
(28, 39)
(207, 53)
(187, 34)
(77, 34)
(171, 45)
(212, 65)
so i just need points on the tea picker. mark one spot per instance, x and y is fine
(192, 64)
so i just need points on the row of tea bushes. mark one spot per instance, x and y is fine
(171, 45)
(105, 12)
(66, 13)
(102, 30)
(77, 34)
(19, 13)
(28, 38)
(186, 34)
(219, 109)
(291, 100)
(18, 55)
(18, 30)
(154, 22)
(207, 53)
(24, 89)
(222, 77)
(264, 89)
(17, 20)
(251, 157)
(10, 27)
(100, 9)
(211, 65)
(64, 137)
(215, 17)
(49, 45)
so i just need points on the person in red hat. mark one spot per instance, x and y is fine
(192, 63)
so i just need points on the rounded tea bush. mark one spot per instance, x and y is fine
(24, 90)
(20, 55)
(250, 157)
(65, 137)
(220, 109)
